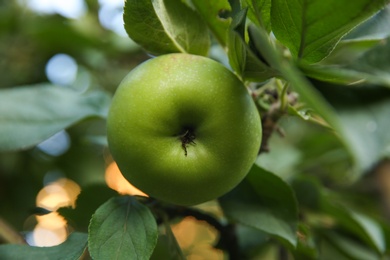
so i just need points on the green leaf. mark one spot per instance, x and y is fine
(362, 57)
(31, 114)
(312, 28)
(250, 240)
(122, 228)
(361, 225)
(241, 58)
(349, 124)
(236, 43)
(282, 158)
(307, 247)
(337, 67)
(308, 192)
(210, 12)
(163, 249)
(90, 198)
(375, 62)
(357, 64)
(166, 26)
(375, 28)
(259, 11)
(340, 247)
(372, 229)
(72, 248)
(346, 52)
(290, 73)
(265, 202)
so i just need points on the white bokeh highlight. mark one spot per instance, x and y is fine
(73, 9)
(111, 15)
(61, 69)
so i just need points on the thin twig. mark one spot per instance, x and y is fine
(270, 119)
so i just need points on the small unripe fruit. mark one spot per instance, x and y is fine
(183, 129)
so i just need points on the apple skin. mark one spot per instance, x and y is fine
(183, 129)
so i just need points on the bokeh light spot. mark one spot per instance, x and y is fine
(195, 239)
(116, 181)
(111, 16)
(70, 8)
(61, 69)
(51, 228)
(63, 192)
(55, 145)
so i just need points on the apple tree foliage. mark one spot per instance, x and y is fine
(319, 72)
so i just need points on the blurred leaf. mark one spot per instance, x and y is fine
(291, 74)
(375, 62)
(361, 225)
(210, 12)
(162, 249)
(341, 108)
(346, 52)
(265, 202)
(96, 139)
(250, 240)
(256, 70)
(282, 159)
(166, 26)
(29, 115)
(373, 230)
(311, 29)
(236, 43)
(309, 149)
(173, 245)
(259, 11)
(307, 246)
(364, 116)
(40, 211)
(328, 251)
(57, 34)
(72, 248)
(361, 65)
(87, 203)
(340, 247)
(347, 63)
(308, 192)
(377, 27)
(122, 228)
(241, 58)
(386, 231)
(334, 74)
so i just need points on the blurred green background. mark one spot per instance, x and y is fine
(85, 48)
(73, 44)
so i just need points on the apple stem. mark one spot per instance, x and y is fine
(187, 138)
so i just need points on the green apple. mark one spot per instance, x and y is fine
(183, 129)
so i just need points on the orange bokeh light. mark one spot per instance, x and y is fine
(61, 193)
(195, 239)
(52, 228)
(116, 181)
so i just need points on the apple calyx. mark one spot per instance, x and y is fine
(187, 138)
